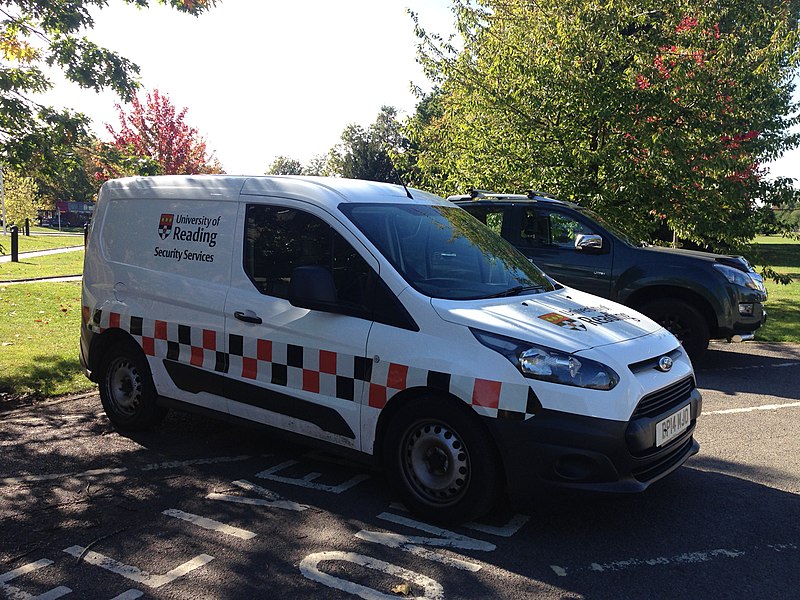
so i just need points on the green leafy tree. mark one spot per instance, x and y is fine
(21, 199)
(283, 165)
(648, 112)
(38, 32)
(366, 153)
(73, 182)
(317, 166)
(787, 215)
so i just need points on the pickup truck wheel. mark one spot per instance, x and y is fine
(683, 320)
(127, 391)
(442, 462)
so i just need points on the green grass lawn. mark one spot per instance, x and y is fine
(39, 242)
(39, 337)
(783, 304)
(48, 265)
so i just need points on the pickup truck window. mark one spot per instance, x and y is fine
(491, 216)
(550, 229)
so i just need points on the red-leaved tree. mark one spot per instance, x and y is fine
(153, 138)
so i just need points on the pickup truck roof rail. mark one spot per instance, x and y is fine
(477, 194)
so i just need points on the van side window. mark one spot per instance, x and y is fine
(543, 229)
(278, 239)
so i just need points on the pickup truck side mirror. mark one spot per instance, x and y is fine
(590, 241)
(312, 287)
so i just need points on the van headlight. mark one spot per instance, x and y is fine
(546, 364)
(748, 279)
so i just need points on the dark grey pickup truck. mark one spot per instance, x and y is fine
(697, 296)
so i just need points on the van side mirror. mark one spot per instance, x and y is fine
(588, 241)
(312, 287)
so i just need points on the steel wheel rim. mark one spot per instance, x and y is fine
(435, 462)
(124, 387)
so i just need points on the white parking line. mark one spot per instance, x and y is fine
(134, 573)
(269, 498)
(730, 411)
(24, 570)
(9, 591)
(309, 567)
(660, 561)
(129, 595)
(307, 481)
(210, 524)
(194, 461)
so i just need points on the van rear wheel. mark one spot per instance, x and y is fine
(127, 391)
(683, 321)
(442, 461)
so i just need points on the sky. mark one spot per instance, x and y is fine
(262, 78)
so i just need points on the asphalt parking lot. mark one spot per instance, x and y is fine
(203, 509)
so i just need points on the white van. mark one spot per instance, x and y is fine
(378, 320)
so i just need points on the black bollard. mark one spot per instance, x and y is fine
(27, 228)
(14, 243)
(85, 234)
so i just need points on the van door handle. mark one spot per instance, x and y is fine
(248, 316)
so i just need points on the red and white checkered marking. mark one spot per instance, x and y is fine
(269, 362)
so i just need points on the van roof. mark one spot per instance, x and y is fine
(322, 190)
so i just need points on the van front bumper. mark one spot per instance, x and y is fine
(588, 453)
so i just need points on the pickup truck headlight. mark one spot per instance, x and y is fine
(745, 279)
(546, 364)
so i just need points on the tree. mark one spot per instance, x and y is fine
(20, 198)
(365, 153)
(34, 32)
(154, 139)
(648, 112)
(283, 165)
(317, 166)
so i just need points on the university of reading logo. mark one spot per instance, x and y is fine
(563, 321)
(165, 225)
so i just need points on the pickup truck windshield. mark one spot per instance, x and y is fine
(609, 227)
(444, 252)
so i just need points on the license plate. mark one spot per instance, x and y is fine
(673, 425)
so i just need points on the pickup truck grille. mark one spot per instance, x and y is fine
(661, 401)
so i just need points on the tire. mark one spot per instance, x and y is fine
(684, 321)
(127, 390)
(442, 462)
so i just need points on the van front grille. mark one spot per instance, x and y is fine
(661, 401)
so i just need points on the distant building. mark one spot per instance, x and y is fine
(68, 214)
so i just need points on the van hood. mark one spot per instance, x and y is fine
(565, 319)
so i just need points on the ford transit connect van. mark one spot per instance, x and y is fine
(381, 321)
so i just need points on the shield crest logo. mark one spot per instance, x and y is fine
(165, 225)
(563, 321)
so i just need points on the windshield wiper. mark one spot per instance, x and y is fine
(515, 291)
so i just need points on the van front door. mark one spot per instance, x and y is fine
(293, 368)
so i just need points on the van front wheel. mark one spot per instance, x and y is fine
(127, 390)
(442, 462)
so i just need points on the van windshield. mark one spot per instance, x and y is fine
(444, 252)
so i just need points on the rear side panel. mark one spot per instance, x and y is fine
(159, 270)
